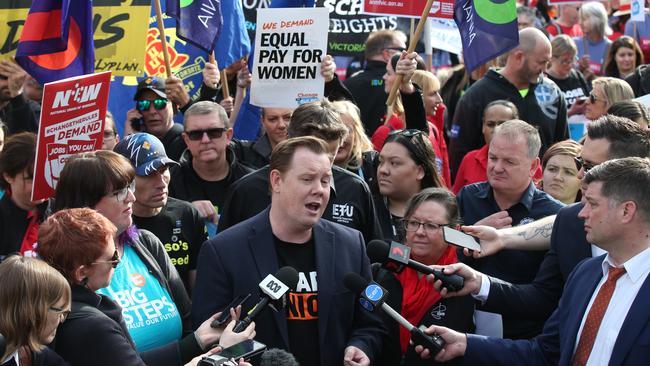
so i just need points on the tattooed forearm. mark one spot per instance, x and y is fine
(530, 233)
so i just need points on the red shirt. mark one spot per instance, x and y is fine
(436, 138)
(574, 31)
(473, 169)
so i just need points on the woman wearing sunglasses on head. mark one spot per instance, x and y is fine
(146, 285)
(406, 165)
(34, 300)
(604, 93)
(80, 243)
(427, 212)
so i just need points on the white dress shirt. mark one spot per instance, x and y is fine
(627, 287)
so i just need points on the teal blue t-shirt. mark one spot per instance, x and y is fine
(149, 311)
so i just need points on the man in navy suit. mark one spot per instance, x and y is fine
(322, 324)
(603, 315)
(607, 138)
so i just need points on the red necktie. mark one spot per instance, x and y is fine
(595, 317)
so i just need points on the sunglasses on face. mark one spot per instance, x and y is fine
(405, 132)
(593, 98)
(213, 133)
(144, 105)
(114, 262)
(400, 49)
(585, 165)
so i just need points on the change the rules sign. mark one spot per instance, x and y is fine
(72, 121)
(289, 47)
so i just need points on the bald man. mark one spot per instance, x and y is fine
(522, 82)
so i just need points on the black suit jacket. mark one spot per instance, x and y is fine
(237, 259)
(539, 299)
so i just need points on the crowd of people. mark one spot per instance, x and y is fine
(543, 155)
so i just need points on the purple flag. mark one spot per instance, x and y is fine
(488, 28)
(197, 21)
(57, 40)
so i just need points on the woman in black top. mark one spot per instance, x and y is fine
(34, 300)
(79, 242)
(568, 79)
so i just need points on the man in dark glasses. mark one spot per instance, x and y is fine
(209, 165)
(153, 113)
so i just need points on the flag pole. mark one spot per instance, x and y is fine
(163, 40)
(412, 44)
(224, 85)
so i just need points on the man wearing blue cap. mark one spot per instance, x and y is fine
(175, 222)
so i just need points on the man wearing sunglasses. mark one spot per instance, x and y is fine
(209, 166)
(367, 86)
(153, 113)
(607, 138)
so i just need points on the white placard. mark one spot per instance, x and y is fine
(445, 36)
(290, 44)
(637, 11)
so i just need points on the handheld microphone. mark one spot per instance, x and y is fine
(273, 288)
(3, 344)
(395, 257)
(277, 357)
(373, 296)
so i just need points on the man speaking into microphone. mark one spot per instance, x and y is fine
(321, 324)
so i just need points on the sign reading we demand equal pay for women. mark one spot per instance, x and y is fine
(290, 44)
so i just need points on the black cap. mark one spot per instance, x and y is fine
(153, 83)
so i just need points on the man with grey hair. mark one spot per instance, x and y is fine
(208, 167)
(512, 162)
(521, 81)
(367, 86)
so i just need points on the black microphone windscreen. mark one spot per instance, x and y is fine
(355, 283)
(288, 275)
(378, 251)
(277, 357)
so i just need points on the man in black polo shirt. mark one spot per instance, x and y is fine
(176, 223)
(350, 204)
(512, 162)
(209, 166)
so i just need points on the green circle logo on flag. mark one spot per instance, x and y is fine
(496, 13)
(186, 3)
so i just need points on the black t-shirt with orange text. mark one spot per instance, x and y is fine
(302, 308)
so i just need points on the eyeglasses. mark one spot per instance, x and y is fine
(567, 62)
(62, 313)
(400, 49)
(585, 165)
(114, 262)
(143, 105)
(429, 227)
(121, 194)
(213, 133)
(593, 98)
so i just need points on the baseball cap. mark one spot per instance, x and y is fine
(145, 152)
(153, 83)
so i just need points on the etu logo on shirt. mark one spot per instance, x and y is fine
(343, 214)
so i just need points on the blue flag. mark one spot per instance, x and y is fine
(197, 21)
(233, 43)
(57, 40)
(488, 28)
(247, 124)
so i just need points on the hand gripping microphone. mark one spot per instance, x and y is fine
(372, 297)
(396, 256)
(273, 288)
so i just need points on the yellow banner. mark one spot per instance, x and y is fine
(120, 34)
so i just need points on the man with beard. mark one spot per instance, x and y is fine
(176, 223)
(539, 101)
(17, 112)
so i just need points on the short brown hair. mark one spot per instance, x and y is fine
(283, 153)
(87, 177)
(439, 195)
(18, 156)
(377, 41)
(28, 289)
(566, 147)
(72, 238)
(318, 119)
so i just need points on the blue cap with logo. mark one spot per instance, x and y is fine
(145, 152)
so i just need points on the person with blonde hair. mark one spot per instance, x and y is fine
(570, 81)
(605, 92)
(34, 300)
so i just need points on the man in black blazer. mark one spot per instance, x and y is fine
(322, 324)
(607, 138)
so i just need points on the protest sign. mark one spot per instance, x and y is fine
(565, 2)
(445, 35)
(443, 9)
(637, 11)
(119, 33)
(72, 121)
(289, 47)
